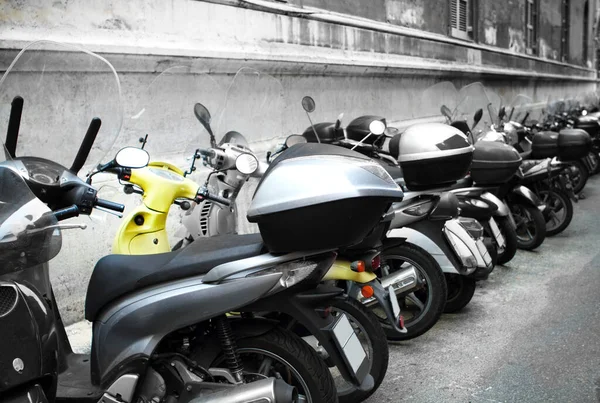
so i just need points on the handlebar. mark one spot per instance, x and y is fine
(204, 193)
(107, 204)
(210, 153)
(65, 213)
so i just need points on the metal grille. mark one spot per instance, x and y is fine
(204, 215)
(8, 299)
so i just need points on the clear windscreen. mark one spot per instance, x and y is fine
(253, 108)
(438, 103)
(62, 88)
(473, 97)
(163, 114)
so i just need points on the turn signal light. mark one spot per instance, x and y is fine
(367, 291)
(358, 266)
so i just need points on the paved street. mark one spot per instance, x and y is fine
(530, 334)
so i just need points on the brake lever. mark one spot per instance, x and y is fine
(57, 226)
(120, 215)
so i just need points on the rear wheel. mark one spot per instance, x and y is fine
(283, 355)
(594, 163)
(422, 307)
(560, 210)
(531, 226)
(460, 292)
(510, 237)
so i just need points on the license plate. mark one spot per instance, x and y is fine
(394, 302)
(497, 234)
(349, 343)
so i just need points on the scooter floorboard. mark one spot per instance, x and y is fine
(74, 383)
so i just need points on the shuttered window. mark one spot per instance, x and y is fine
(531, 8)
(460, 19)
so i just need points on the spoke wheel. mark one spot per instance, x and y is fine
(531, 226)
(560, 209)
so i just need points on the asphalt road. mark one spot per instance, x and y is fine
(530, 334)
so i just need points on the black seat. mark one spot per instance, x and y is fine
(117, 275)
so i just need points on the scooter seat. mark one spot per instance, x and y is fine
(117, 275)
(528, 165)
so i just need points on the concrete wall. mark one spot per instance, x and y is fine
(347, 64)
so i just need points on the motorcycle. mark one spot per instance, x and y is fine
(160, 329)
(527, 210)
(163, 184)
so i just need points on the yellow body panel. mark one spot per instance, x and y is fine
(162, 183)
(341, 271)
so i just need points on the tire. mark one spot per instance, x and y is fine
(531, 226)
(378, 351)
(283, 345)
(429, 301)
(510, 237)
(557, 201)
(579, 176)
(460, 292)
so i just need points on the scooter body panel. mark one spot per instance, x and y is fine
(128, 330)
(143, 232)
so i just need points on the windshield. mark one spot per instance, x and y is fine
(523, 109)
(27, 237)
(63, 88)
(473, 97)
(438, 103)
(253, 108)
(164, 112)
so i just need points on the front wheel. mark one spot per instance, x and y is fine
(281, 354)
(423, 306)
(531, 226)
(510, 238)
(579, 175)
(560, 210)
(460, 292)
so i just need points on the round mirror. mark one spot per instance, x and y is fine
(308, 104)
(132, 157)
(584, 112)
(377, 127)
(202, 114)
(246, 163)
(295, 139)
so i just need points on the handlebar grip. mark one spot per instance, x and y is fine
(218, 199)
(65, 213)
(208, 153)
(110, 205)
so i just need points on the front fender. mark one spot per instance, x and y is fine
(424, 242)
(503, 210)
(524, 195)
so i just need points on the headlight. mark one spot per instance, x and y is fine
(292, 273)
(472, 226)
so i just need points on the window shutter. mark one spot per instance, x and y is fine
(459, 18)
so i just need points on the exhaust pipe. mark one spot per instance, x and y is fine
(268, 390)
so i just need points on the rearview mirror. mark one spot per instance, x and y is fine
(502, 113)
(377, 127)
(308, 104)
(295, 139)
(203, 115)
(477, 117)
(132, 157)
(246, 163)
(446, 111)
